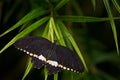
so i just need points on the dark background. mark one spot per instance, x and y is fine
(95, 40)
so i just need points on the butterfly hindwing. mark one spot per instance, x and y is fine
(37, 63)
(52, 69)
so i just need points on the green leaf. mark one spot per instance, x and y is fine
(56, 76)
(46, 73)
(45, 32)
(84, 18)
(29, 67)
(51, 32)
(94, 3)
(25, 32)
(11, 11)
(33, 14)
(77, 7)
(116, 5)
(60, 4)
(59, 34)
(106, 2)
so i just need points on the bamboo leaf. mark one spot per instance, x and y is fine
(116, 5)
(10, 12)
(56, 76)
(59, 34)
(46, 73)
(60, 4)
(25, 32)
(31, 15)
(93, 3)
(84, 18)
(106, 2)
(51, 32)
(29, 67)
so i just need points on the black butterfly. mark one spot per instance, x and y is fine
(55, 57)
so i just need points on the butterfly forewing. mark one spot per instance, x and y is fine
(32, 44)
(69, 59)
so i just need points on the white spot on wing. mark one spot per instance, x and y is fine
(27, 52)
(64, 68)
(34, 55)
(24, 50)
(53, 63)
(68, 68)
(31, 54)
(41, 57)
(74, 71)
(21, 49)
(71, 69)
(60, 66)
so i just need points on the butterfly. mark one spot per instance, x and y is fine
(45, 53)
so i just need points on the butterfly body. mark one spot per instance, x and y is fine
(55, 57)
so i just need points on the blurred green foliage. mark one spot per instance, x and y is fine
(94, 24)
